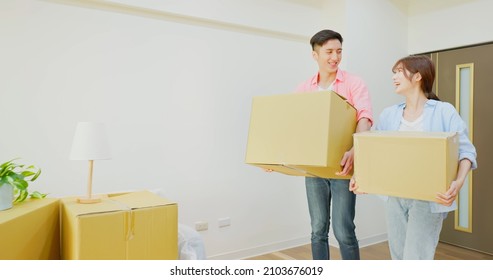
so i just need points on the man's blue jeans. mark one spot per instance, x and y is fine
(321, 194)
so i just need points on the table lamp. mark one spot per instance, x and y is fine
(90, 143)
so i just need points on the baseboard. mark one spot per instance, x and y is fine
(279, 246)
(364, 242)
(261, 250)
(379, 238)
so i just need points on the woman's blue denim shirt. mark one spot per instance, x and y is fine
(438, 117)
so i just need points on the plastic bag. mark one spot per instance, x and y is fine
(190, 244)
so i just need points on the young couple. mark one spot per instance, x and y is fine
(413, 225)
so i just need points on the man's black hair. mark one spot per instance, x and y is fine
(323, 36)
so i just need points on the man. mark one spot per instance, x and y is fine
(323, 193)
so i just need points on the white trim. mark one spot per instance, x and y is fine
(367, 241)
(261, 250)
(287, 244)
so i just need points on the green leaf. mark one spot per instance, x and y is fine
(20, 184)
(8, 163)
(27, 173)
(10, 180)
(22, 196)
(36, 176)
(37, 195)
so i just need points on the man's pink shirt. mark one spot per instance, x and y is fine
(350, 87)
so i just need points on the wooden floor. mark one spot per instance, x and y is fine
(378, 251)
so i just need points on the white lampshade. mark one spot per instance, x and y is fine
(90, 142)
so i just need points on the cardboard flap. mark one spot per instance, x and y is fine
(105, 206)
(24, 208)
(141, 199)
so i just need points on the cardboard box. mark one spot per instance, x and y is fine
(301, 134)
(414, 165)
(30, 230)
(137, 225)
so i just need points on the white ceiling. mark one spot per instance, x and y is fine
(414, 7)
(410, 7)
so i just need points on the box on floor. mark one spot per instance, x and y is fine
(135, 225)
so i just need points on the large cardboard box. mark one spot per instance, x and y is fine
(302, 134)
(136, 225)
(414, 165)
(30, 230)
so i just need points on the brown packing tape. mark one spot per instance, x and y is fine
(129, 229)
(129, 217)
(129, 225)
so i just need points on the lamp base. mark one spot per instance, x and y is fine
(88, 200)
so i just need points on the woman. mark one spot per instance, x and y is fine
(414, 225)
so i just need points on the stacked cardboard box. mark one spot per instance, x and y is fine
(30, 230)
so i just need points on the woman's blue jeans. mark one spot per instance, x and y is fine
(413, 229)
(322, 194)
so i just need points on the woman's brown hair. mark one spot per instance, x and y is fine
(424, 66)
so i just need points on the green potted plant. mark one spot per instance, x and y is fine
(14, 180)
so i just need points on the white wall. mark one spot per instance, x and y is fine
(443, 24)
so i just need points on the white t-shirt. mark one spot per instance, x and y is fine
(329, 88)
(416, 125)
